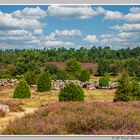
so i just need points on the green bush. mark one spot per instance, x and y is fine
(62, 75)
(30, 78)
(124, 91)
(135, 90)
(22, 90)
(71, 92)
(104, 81)
(44, 82)
(51, 68)
(85, 75)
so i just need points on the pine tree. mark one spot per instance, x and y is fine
(44, 82)
(124, 91)
(85, 75)
(22, 90)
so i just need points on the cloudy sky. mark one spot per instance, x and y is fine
(69, 26)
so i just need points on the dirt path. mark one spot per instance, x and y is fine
(12, 115)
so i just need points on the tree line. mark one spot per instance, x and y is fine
(18, 62)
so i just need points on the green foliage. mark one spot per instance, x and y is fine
(104, 81)
(90, 70)
(18, 62)
(62, 75)
(20, 77)
(71, 92)
(52, 69)
(30, 78)
(44, 82)
(28, 61)
(73, 67)
(124, 91)
(22, 90)
(53, 77)
(135, 90)
(85, 75)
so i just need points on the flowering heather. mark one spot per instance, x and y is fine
(80, 118)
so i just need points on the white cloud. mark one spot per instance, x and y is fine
(38, 32)
(105, 36)
(127, 27)
(99, 10)
(57, 34)
(8, 22)
(31, 13)
(73, 32)
(14, 33)
(91, 38)
(133, 17)
(58, 43)
(68, 12)
(113, 15)
(134, 9)
(127, 35)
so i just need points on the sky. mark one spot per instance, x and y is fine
(75, 26)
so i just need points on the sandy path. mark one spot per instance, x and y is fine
(12, 115)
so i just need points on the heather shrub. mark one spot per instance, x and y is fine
(71, 92)
(85, 75)
(79, 118)
(22, 90)
(44, 82)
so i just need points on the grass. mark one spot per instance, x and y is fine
(39, 98)
(99, 95)
(97, 78)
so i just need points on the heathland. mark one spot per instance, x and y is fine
(92, 107)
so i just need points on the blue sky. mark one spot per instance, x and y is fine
(57, 26)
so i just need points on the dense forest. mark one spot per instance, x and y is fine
(18, 62)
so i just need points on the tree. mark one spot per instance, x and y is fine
(71, 92)
(52, 69)
(62, 74)
(103, 67)
(28, 61)
(44, 82)
(85, 75)
(104, 81)
(124, 91)
(135, 90)
(73, 67)
(22, 90)
(30, 78)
